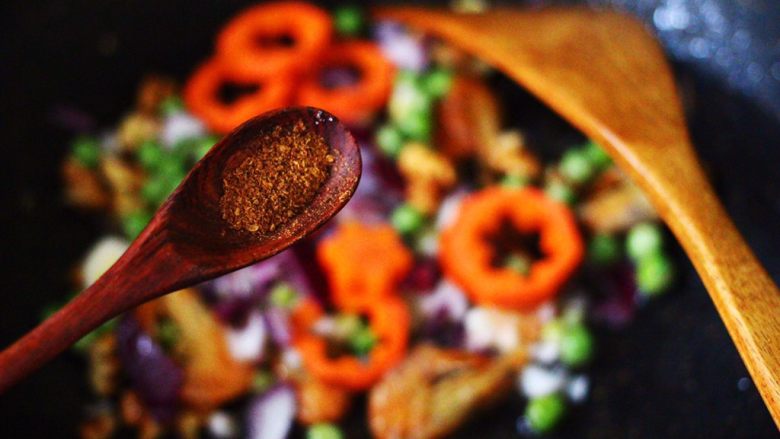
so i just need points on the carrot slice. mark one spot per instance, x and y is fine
(201, 95)
(274, 38)
(466, 256)
(352, 103)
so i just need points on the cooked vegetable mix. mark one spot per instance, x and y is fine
(463, 263)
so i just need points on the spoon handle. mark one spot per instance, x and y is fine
(125, 285)
(745, 296)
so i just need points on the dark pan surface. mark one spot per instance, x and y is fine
(672, 373)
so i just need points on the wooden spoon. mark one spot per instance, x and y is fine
(187, 241)
(607, 75)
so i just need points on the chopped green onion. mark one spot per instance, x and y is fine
(544, 413)
(406, 219)
(603, 249)
(390, 140)
(87, 151)
(346, 325)
(576, 345)
(654, 274)
(324, 431)
(283, 295)
(643, 239)
(348, 20)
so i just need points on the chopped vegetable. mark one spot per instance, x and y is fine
(283, 295)
(348, 20)
(390, 140)
(654, 274)
(466, 255)
(202, 96)
(271, 414)
(87, 151)
(575, 167)
(353, 103)
(324, 431)
(362, 263)
(388, 319)
(307, 27)
(576, 345)
(135, 222)
(438, 82)
(596, 155)
(406, 219)
(544, 413)
(603, 249)
(643, 239)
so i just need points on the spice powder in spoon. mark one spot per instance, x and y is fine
(276, 181)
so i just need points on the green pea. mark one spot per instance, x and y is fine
(438, 82)
(171, 104)
(575, 167)
(643, 239)
(324, 431)
(87, 151)
(406, 219)
(545, 412)
(346, 325)
(518, 263)
(417, 125)
(261, 381)
(168, 334)
(150, 155)
(348, 20)
(553, 331)
(155, 190)
(362, 341)
(514, 181)
(576, 345)
(559, 191)
(603, 249)
(390, 140)
(408, 97)
(86, 341)
(283, 295)
(654, 274)
(134, 223)
(202, 146)
(596, 155)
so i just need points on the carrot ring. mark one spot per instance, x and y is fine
(201, 97)
(466, 257)
(356, 102)
(308, 26)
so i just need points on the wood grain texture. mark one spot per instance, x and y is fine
(605, 74)
(187, 241)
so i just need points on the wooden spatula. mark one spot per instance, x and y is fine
(607, 76)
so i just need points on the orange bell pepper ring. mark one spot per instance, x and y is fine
(389, 320)
(362, 263)
(466, 256)
(352, 103)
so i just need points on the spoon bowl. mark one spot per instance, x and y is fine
(188, 241)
